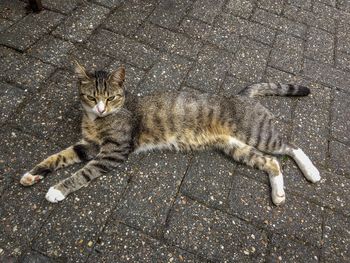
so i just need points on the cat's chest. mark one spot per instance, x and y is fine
(91, 131)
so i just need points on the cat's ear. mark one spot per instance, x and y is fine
(80, 71)
(117, 76)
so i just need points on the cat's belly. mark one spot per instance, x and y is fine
(171, 144)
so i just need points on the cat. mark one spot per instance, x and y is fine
(116, 123)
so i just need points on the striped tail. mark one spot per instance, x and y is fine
(268, 89)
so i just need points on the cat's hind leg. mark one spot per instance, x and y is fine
(248, 155)
(73, 154)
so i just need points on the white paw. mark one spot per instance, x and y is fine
(313, 175)
(54, 195)
(278, 198)
(29, 179)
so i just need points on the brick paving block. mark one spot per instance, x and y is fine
(28, 30)
(214, 235)
(209, 72)
(121, 243)
(326, 10)
(72, 229)
(10, 98)
(311, 19)
(233, 85)
(338, 160)
(165, 75)
(133, 75)
(344, 5)
(35, 257)
(342, 60)
(336, 236)
(287, 53)
(340, 121)
(329, 2)
(63, 6)
(220, 37)
(332, 191)
(208, 178)
(279, 23)
(170, 41)
(81, 23)
(129, 16)
(242, 8)
(206, 10)
(23, 71)
(123, 48)
(4, 24)
(52, 50)
(155, 182)
(246, 28)
(297, 218)
(55, 111)
(250, 61)
(275, 6)
(304, 4)
(311, 124)
(12, 10)
(109, 3)
(283, 249)
(326, 74)
(170, 13)
(320, 45)
(343, 37)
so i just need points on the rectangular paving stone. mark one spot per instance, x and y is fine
(250, 61)
(246, 28)
(169, 41)
(220, 37)
(274, 6)
(298, 218)
(170, 13)
(336, 237)
(279, 23)
(10, 98)
(70, 237)
(213, 234)
(28, 30)
(81, 23)
(109, 3)
(63, 107)
(342, 60)
(4, 24)
(121, 243)
(146, 203)
(26, 72)
(304, 4)
(283, 249)
(326, 74)
(241, 8)
(338, 160)
(208, 178)
(311, 121)
(320, 45)
(12, 10)
(209, 72)
(206, 10)
(167, 74)
(340, 121)
(309, 18)
(52, 50)
(128, 17)
(123, 48)
(287, 53)
(63, 6)
(343, 37)
(332, 191)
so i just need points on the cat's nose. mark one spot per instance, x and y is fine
(101, 107)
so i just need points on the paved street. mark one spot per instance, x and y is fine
(165, 206)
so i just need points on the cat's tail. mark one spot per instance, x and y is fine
(268, 89)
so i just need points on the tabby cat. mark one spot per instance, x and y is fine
(117, 123)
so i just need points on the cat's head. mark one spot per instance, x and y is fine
(101, 93)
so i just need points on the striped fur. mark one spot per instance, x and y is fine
(181, 120)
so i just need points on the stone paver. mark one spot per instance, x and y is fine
(165, 206)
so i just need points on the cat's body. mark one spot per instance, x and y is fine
(117, 123)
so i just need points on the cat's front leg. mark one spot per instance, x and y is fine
(113, 152)
(81, 151)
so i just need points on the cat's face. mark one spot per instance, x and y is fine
(101, 93)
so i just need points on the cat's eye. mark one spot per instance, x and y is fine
(90, 97)
(111, 98)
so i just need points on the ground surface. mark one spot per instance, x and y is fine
(167, 207)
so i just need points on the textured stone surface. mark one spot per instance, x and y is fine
(176, 207)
